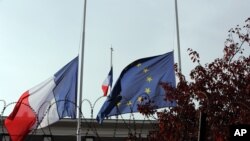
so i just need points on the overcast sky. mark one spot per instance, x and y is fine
(38, 37)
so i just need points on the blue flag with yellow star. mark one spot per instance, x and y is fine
(138, 82)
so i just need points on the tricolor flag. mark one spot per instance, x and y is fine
(46, 103)
(107, 82)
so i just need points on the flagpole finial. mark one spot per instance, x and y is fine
(111, 48)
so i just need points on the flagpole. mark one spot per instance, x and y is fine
(111, 62)
(200, 133)
(178, 35)
(111, 56)
(111, 65)
(80, 75)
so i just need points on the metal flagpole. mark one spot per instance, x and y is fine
(111, 63)
(199, 131)
(178, 35)
(111, 56)
(80, 75)
(202, 117)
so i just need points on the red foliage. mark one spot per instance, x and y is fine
(221, 89)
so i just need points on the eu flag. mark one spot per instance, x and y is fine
(140, 80)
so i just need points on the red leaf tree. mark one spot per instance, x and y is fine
(220, 90)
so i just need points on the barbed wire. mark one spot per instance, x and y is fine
(90, 124)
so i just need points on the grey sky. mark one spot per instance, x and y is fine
(38, 37)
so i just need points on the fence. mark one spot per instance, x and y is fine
(115, 128)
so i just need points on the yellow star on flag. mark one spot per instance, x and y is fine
(118, 104)
(129, 103)
(138, 65)
(145, 70)
(140, 99)
(149, 79)
(147, 90)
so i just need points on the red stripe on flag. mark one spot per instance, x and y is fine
(105, 90)
(21, 120)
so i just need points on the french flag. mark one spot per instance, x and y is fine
(46, 103)
(107, 82)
